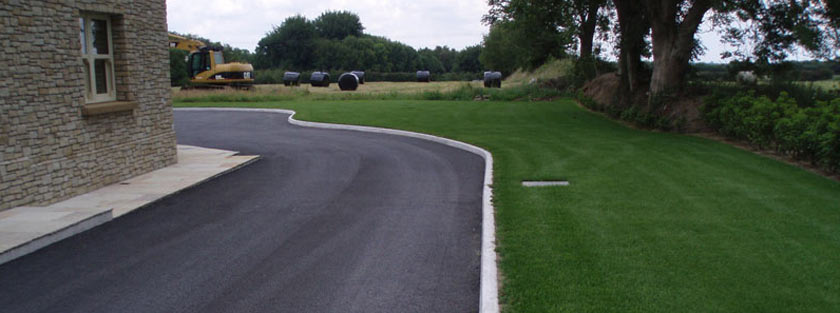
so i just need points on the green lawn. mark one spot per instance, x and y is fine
(652, 222)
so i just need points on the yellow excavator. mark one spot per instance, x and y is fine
(207, 67)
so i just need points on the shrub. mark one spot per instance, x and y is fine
(634, 114)
(804, 133)
(178, 67)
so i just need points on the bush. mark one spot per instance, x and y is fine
(634, 114)
(816, 74)
(178, 67)
(804, 94)
(804, 133)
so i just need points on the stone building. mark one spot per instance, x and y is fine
(84, 96)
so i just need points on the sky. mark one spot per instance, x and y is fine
(418, 23)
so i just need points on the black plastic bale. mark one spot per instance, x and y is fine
(320, 79)
(424, 76)
(348, 82)
(291, 78)
(360, 75)
(493, 79)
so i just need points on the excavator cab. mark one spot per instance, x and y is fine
(201, 62)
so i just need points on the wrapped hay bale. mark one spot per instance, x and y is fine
(320, 79)
(360, 75)
(424, 76)
(348, 82)
(492, 79)
(291, 79)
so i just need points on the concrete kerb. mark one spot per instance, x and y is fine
(489, 294)
(37, 243)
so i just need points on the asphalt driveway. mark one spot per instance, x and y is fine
(327, 221)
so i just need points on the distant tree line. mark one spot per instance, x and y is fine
(780, 71)
(335, 40)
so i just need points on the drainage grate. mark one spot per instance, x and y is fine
(536, 183)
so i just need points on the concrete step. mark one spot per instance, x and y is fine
(24, 230)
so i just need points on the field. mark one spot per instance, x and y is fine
(828, 85)
(372, 91)
(369, 88)
(652, 222)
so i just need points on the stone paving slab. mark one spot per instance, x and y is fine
(24, 230)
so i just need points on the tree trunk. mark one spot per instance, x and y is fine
(672, 42)
(586, 42)
(588, 21)
(633, 26)
(670, 62)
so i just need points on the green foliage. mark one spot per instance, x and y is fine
(468, 60)
(338, 25)
(335, 42)
(805, 95)
(290, 45)
(501, 51)
(178, 67)
(805, 133)
(634, 114)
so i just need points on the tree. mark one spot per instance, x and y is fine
(338, 25)
(468, 60)
(777, 28)
(633, 28)
(576, 17)
(501, 51)
(673, 25)
(291, 45)
(774, 27)
(178, 67)
(429, 61)
(446, 56)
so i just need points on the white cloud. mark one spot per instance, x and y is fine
(429, 23)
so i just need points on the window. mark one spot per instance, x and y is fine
(97, 58)
(199, 62)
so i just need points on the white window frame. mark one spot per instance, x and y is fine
(91, 95)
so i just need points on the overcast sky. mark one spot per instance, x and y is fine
(418, 23)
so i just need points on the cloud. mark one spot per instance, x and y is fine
(242, 24)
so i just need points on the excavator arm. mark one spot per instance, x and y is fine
(184, 43)
(207, 68)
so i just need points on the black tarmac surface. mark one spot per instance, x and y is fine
(327, 221)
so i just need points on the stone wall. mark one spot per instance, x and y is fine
(49, 151)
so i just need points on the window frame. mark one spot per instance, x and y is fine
(88, 59)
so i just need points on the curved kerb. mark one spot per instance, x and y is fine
(489, 295)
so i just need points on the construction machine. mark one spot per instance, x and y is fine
(207, 68)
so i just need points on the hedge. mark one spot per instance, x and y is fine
(805, 133)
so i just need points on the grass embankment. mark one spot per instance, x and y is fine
(652, 222)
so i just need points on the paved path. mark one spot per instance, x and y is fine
(327, 221)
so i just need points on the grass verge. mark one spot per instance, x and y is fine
(652, 222)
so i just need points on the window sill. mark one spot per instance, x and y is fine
(91, 109)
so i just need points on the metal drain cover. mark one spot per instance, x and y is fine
(544, 183)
